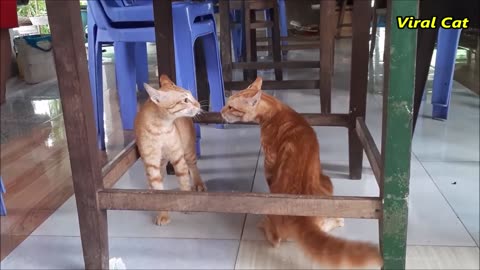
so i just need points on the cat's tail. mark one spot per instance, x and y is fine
(333, 251)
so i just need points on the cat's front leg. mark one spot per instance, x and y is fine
(155, 181)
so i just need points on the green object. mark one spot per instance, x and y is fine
(397, 132)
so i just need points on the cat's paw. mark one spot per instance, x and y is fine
(162, 219)
(262, 224)
(273, 240)
(200, 187)
(340, 222)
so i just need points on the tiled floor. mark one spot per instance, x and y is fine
(443, 203)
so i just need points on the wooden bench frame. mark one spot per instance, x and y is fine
(391, 167)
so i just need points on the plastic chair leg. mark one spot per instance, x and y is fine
(283, 18)
(447, 44)
(98, 103)
(3, 208)
(237, 34)
(197, 140)
(126, 79)
(96, 83)
(95, 74)
(214, 72)
(141, 64)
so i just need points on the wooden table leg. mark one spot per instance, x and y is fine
(425, 47)
(225, 40)
(327, 33)
(72, 73)
(250, 37)
(162, 13)
(373, 37)
(5, 62)
(276, 39)
(396, 134)
(358, 82)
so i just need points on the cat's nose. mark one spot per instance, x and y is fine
(225, 109)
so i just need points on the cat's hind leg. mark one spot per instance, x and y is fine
(191, 159)
(267, 224)
(328, 224)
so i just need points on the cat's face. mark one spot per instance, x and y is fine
(174, 100)
(242, 106)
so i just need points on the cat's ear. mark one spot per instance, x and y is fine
(154, 94)
(165, 81)
(257, 84)
(253, 101)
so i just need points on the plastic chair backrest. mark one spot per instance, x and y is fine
(98, 13)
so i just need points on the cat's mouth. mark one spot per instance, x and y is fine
(193, 112)
(229, 118)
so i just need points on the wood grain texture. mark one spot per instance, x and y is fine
(358, 81)
(276, 41)
(114, 169)
(370, 147)
(225, 40)
(72, 73)
(162, 12)
(276, 85)
(280, 64)
(327, 29)
(233, 202)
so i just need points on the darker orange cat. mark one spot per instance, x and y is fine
(292, 166)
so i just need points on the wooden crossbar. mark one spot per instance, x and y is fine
(275, 85)
(270, 65)
(237, 202)
(370, 148)
(314, 119)
(114, 169)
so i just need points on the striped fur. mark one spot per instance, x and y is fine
(165, 133)
(292, 166)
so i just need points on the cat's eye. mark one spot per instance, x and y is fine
(185, 100)
(230, 107)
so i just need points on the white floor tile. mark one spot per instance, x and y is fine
(455, 139)
(431, 220)
(458, 181)
(48, 252)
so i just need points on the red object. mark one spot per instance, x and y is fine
(8, 14)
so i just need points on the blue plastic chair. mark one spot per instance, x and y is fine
(3, 208)
(447, 44)
(129, 34)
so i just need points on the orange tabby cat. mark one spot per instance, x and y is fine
(292, 166)
(165, 133)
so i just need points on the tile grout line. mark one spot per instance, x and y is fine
(448, 202)
(245, 215)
